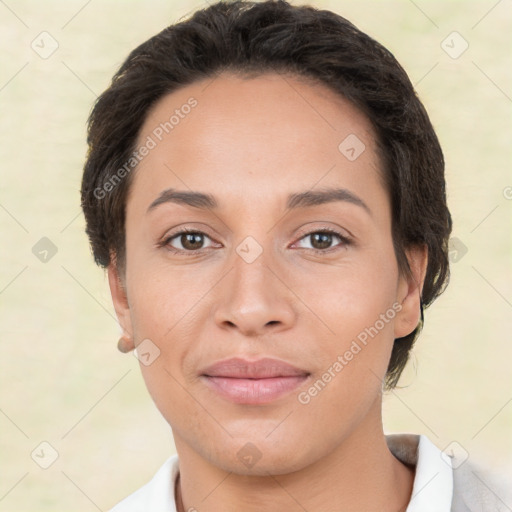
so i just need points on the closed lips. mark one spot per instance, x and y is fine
(265, 368)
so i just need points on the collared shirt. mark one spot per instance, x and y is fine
(432, 489)
(433, 480)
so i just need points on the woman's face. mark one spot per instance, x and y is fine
(290, 258)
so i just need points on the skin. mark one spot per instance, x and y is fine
(250, 143)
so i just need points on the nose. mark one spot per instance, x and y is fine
(254, 298)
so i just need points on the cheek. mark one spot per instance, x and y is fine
(162, 297)
(361, 311)
(167, 308)
(358, 304)
(352, 296)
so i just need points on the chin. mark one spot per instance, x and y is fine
(260, 456)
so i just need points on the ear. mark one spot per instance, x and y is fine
(409, 291)
(120, 300)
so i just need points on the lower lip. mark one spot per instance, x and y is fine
(254, 391)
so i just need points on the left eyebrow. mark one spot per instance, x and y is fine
(316, 197)
(297, 200)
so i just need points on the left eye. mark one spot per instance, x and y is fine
(322, 240)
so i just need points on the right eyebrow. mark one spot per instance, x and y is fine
(194, 199)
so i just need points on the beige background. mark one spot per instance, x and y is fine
(62, 379)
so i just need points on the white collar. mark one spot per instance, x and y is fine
(432, 489)
(433, 480)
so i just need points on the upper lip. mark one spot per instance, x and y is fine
(264, 368)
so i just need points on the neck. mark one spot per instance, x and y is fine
(359, 474)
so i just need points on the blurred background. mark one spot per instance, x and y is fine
(78, 428)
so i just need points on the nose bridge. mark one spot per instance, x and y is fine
(251, 281)
(253, 298)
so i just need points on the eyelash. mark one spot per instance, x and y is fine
(345, 241)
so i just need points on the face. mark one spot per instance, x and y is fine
(287, 255)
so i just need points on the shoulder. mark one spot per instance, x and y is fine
(476, 489)
(157, 495)
(447, 481)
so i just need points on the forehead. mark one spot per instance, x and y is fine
(261, 135)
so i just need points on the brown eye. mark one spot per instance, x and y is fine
(186, 241)
(322, 241)
(191, 241)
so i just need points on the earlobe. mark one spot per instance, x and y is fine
(410, 290)
(125, 344)
(121, 306)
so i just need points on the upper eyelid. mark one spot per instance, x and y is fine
(333, 231)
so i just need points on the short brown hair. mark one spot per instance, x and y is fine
(273, 36)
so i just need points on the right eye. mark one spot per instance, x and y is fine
(187, 240)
